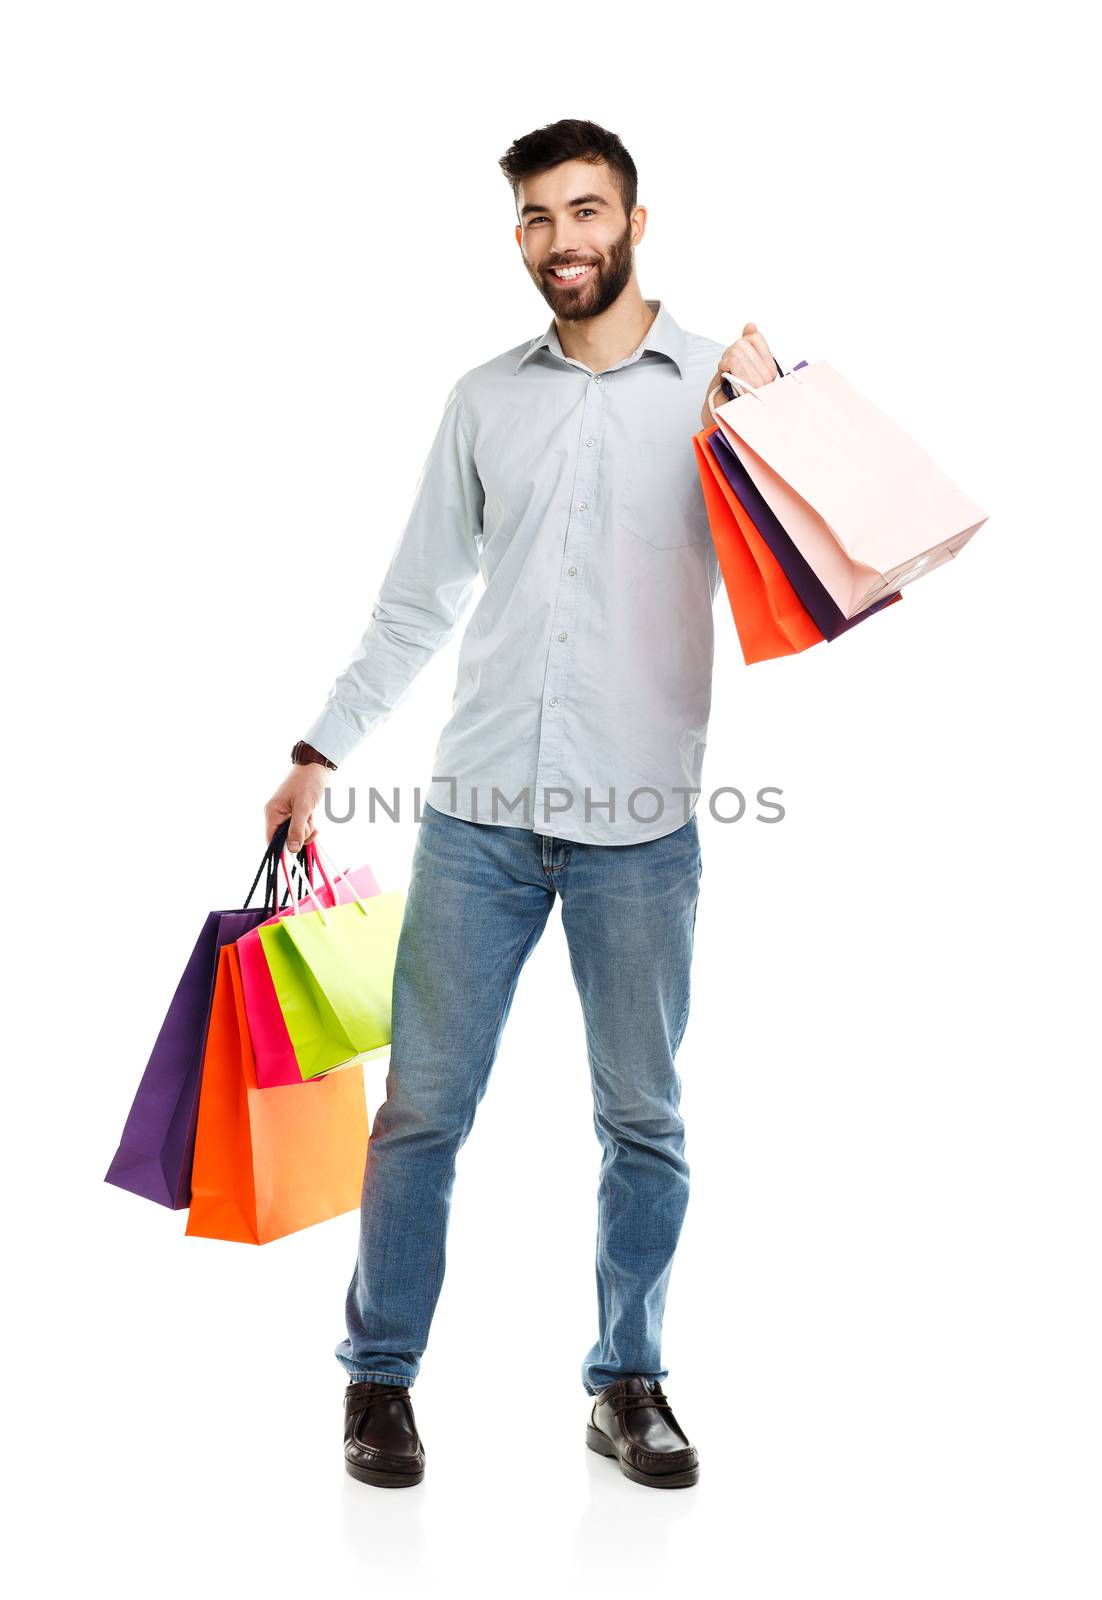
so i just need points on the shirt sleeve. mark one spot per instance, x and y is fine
(423, 595)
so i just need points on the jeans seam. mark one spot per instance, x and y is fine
(549, 872)
(604, 1189)
(688, 986)
(482, 1079)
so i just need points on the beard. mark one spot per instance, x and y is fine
(604, 284)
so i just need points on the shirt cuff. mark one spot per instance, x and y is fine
(332, 736)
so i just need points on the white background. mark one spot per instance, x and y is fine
(248, 250)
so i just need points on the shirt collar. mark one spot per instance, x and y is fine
(663, 336)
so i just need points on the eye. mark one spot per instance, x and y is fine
(584, 211)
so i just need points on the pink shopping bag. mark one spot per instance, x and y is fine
(276, 1064)
(864, 505)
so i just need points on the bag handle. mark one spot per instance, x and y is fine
(268, 868)
(331, 884)
(345, 878)
(740, 385)
(296, 900)
(306, 855)
(315, 860)
(730, 384)
(727, 384)
(291, 895)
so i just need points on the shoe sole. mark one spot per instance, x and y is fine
(603, 1445)
(384, 1480)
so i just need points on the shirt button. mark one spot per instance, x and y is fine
(596, 377)
(581, 505)
(570, 571)
(589, 441)
(562, 636)
(554, 700)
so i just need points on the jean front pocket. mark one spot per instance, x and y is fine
(661, 501)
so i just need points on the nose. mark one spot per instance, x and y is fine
(564, 249)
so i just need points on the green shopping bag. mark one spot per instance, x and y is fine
(333, 972)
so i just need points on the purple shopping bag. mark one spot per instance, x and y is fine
(158, 1141)
(823, 610)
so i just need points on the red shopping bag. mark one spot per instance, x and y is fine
(769, 615)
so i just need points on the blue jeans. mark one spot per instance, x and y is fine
(478, 901)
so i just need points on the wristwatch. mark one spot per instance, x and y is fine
(303, 754)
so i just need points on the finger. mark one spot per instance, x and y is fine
(300, 822)
(750, 346)
(751, 327)
(746, 363)
(273, 816)
(759, 343)
(759, 366)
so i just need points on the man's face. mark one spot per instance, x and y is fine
(573, 216)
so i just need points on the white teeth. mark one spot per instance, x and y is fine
(570, 272)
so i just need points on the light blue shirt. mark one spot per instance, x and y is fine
(585, 671)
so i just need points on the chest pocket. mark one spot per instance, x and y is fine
(661, 502)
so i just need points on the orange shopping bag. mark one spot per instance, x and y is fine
(269, 1161)
(770, 617)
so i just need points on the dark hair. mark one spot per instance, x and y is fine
(571, 139)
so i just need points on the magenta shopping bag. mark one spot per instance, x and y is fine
(155, 1152)
(274, 1054)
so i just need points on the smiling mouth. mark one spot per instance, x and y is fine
(574, 277)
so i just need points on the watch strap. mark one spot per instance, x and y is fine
(304, 754)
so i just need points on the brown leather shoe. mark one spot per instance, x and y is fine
(381, 1443)
(635, 1424)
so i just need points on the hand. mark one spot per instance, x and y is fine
(297, 797)
(749, 358)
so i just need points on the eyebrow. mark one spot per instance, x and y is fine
(582, 200)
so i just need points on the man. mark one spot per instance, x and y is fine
(562, 473)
